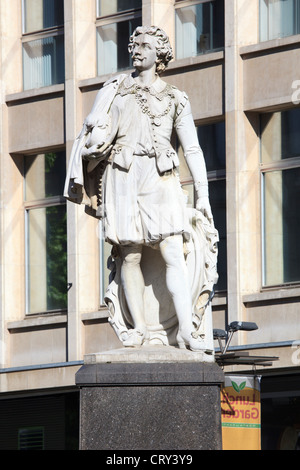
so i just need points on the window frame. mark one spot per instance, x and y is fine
(23, 6)
(114, 18)
(217, 176)
(28, 205)
(188, 3)
(180, 4)
(116, 14)
(39, 34)
(265, 16)
(42, 34)
(212, 176)
(266, 168)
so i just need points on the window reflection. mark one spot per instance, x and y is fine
(282, 226)
(212, 141)
(47, 255)
(112, 46)
(199, 28)
(46, 234)
(280, 160)
(45, 174)
(279, 18)
(116, 6)
(42, 14)
(43, 51)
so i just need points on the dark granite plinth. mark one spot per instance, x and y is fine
(156, 406)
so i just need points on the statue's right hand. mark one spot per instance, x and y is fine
(96, 153)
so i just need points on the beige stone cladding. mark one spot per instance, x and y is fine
(235, 84)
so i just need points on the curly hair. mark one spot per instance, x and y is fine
(164, 49)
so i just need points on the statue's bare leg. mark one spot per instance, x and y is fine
(134, 287)
(180, 290)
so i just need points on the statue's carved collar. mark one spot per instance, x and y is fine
(158, 88)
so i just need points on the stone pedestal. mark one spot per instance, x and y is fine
(155, 399)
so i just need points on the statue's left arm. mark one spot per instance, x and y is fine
(186, 132)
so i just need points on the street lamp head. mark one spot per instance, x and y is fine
(244, 326)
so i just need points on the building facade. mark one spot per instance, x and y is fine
(238, 62)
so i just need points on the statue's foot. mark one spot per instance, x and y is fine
(136, 338)
(187, 340)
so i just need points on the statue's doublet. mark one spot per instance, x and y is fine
(142, 198)
(146, 118)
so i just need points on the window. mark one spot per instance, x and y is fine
(280, 167)
(212, 141)
(199, 27)
(43, 43)
(115, 6)
(46, 238)
(116, 22)
(279, 18)
(42, 14)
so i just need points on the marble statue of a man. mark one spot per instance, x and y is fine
(124, 167)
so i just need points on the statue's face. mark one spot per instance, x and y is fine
(144, 52)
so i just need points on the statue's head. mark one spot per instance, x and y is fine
(163, 49)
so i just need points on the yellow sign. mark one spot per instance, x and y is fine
(241, 415)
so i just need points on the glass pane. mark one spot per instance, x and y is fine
(114, 6)
(287, 26)
(218, 24)
(199, 28)
(275, 15)
(297, 17)
(47, 259)
(278, 18)
(41, 14)
(212, 141)
(43, 62)
(280, 135)
(263, 20)
(186, 32)
(217, 197)
(44, 175)
(112, 46)
(282, 226)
